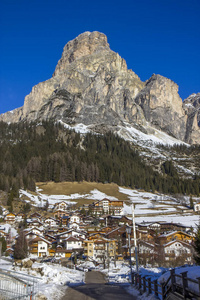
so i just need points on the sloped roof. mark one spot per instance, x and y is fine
(177, 241)
(39, 238)
(175, 232)
(73, 238)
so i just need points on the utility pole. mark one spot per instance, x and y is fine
(128, 230)
(108, 262)
(135, 239)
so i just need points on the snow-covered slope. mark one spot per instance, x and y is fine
(149, 142)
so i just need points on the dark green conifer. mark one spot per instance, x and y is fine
(21, 247)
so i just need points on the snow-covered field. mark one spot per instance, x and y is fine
(148, 206)
(157, 208)
(40, 199)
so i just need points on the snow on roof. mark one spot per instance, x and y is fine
(175, 232)
(144, 242)
(115, 229)
(177, 241)
(40, 238)
(72, 238)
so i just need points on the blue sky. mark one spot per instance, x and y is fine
(153, 36)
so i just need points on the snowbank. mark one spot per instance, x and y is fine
(53, 278)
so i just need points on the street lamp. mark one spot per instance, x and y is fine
(128, 230)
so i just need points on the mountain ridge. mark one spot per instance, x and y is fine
(92, 85)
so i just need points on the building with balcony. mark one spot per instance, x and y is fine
(39, 247)
(106, 206)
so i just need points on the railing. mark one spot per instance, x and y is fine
(179, 285)
(15, 285)
(184, 286)
(99, 248)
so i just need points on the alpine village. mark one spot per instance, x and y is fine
(100, 168)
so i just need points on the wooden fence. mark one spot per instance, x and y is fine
(179, 285)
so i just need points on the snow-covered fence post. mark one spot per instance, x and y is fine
(149, 285)
(173, 279)
(155, 287)
(136, 279)
(133, 278)
(140, 281)
(163, 290)
(198, 278)
(144, 284)
(184, 283)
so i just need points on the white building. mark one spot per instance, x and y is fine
(74, 219)
(197, 207)
(177, 248)
(72, 232)
(71, 243)
(61, 206)
(39, 247)
(51, 222)
(74, 225)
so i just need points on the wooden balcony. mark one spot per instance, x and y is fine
(99, 248)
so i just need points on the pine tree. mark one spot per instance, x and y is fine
(21, 247)
(4, 244)
(191, 202)
(196, 246)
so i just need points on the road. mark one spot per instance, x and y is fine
(96, 288)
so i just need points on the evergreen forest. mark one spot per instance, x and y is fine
(32, 152)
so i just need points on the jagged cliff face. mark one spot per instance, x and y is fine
(192, 108)
(162, 106)
(91, 85)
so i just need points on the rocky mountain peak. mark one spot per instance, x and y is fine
(193, 99)
(92, 85)
(85, 44)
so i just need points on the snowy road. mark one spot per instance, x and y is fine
(96, 288)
